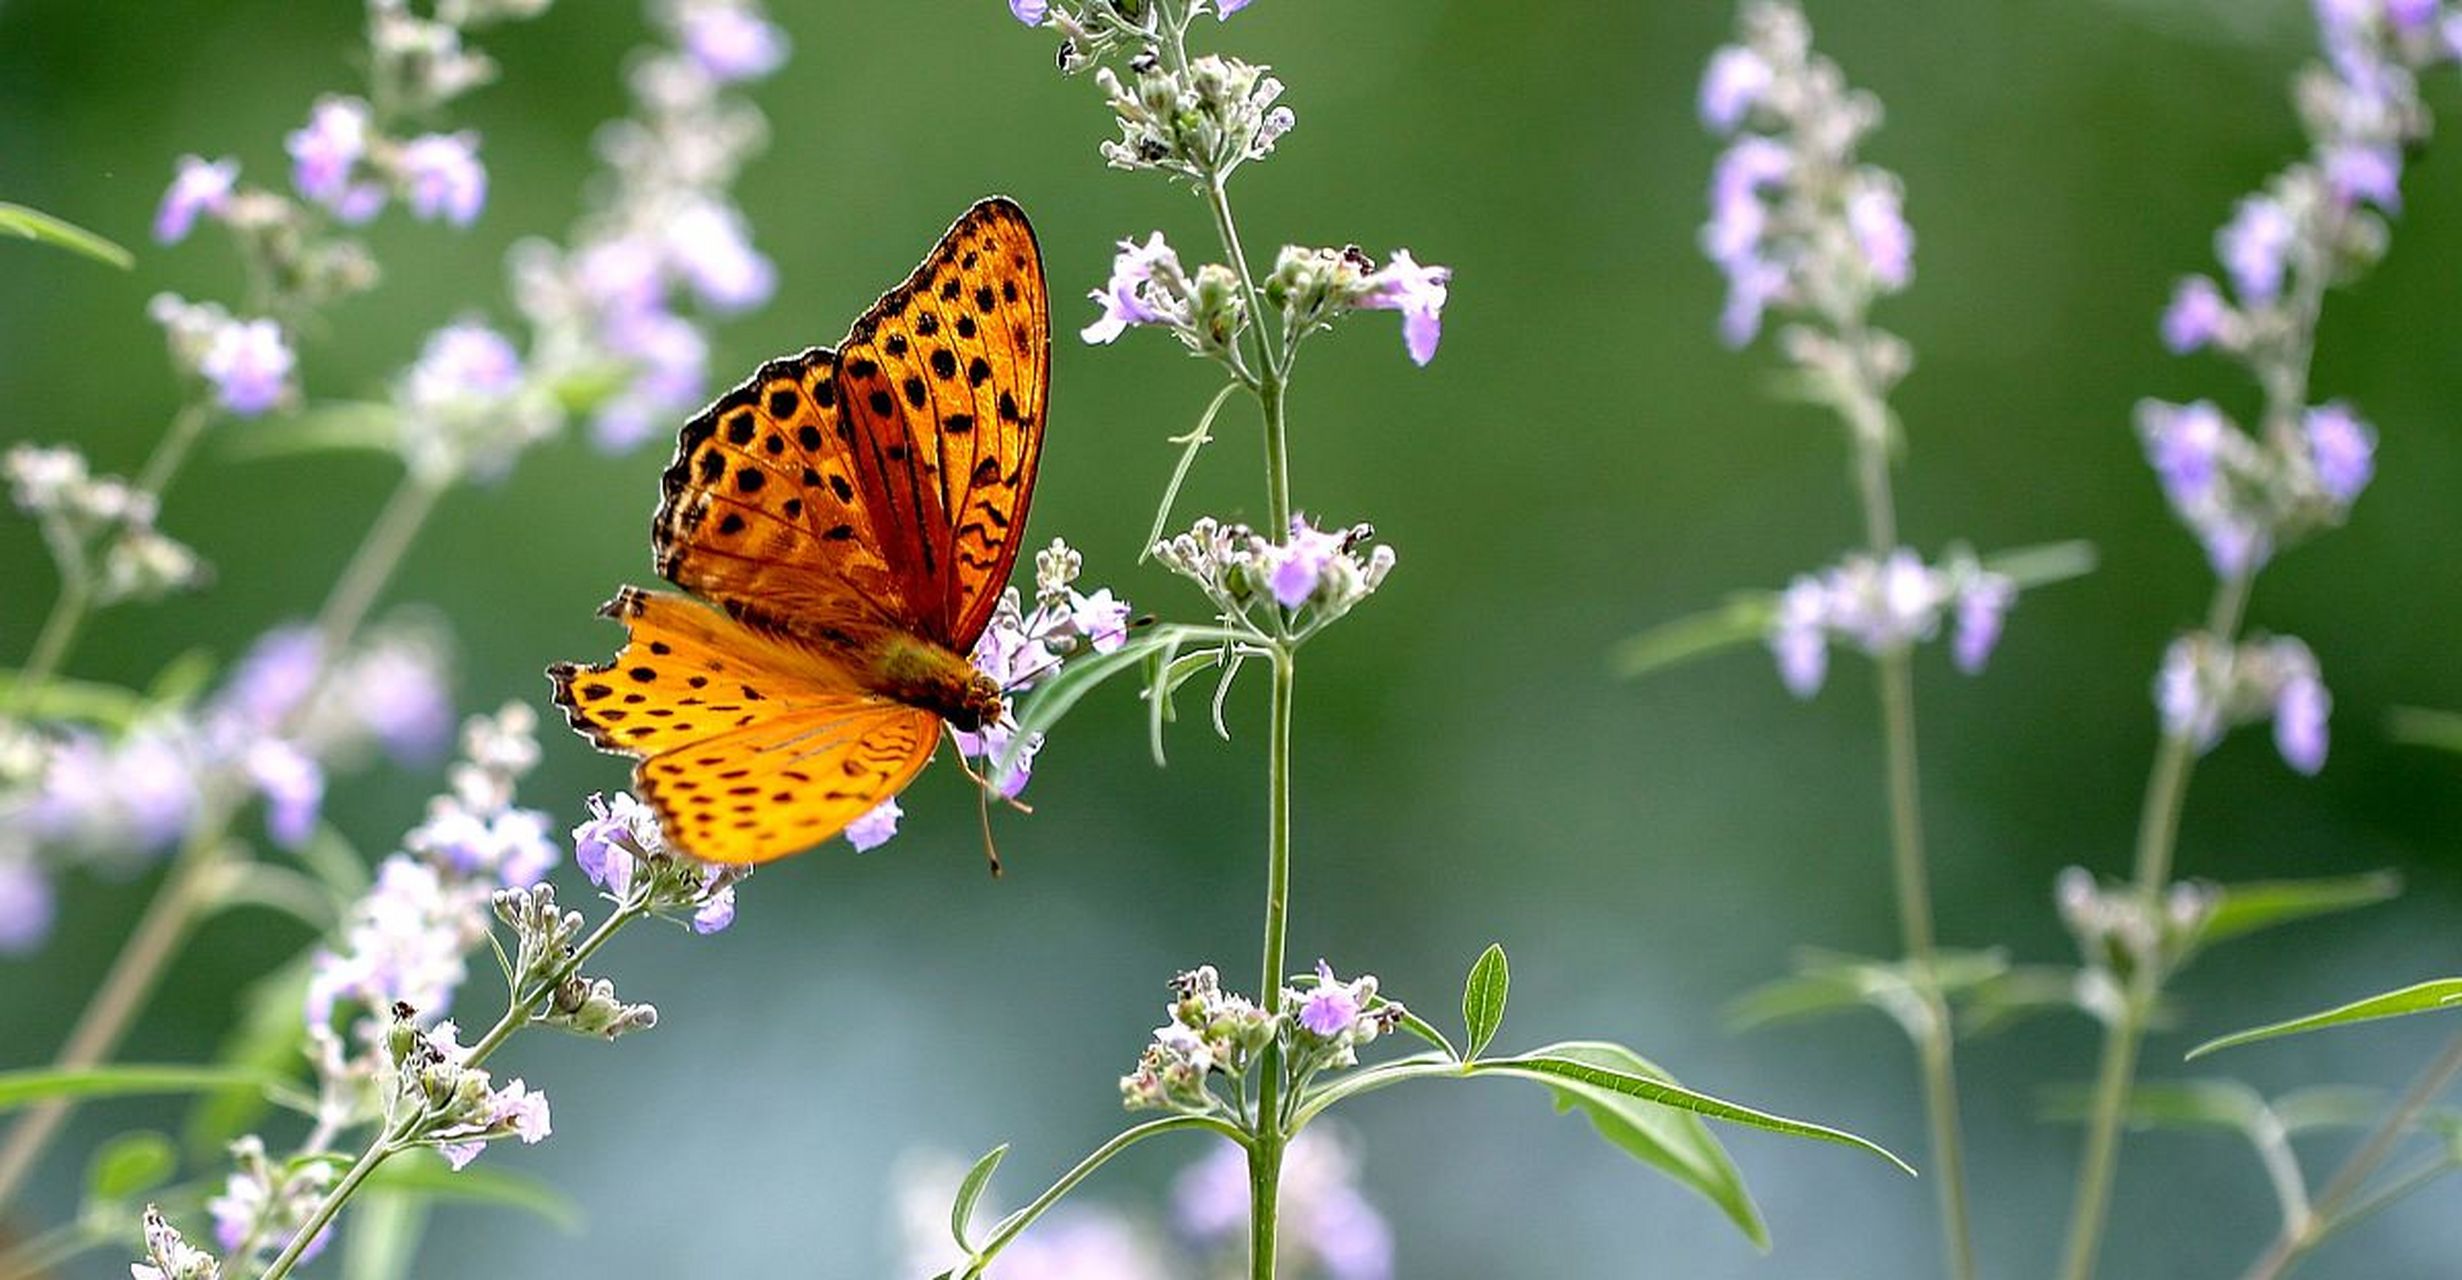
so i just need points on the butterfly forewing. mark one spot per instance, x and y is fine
(945, 383)
(759, 512)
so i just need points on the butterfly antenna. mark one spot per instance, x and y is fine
(991, 848)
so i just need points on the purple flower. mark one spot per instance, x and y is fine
(711, 248)
(324, 153)
(716, 910)
(2342, 449)
(293, 787)
(277, 675)
(1887, 244)
(2185, 444)
(1419, 294)
(198, 187)
(512, 847)
(405, 941)
(875, 827)
(1330, 1008)
(444, 177)
(2253, 247)
(2370, 173)
(1100, 618)
(1752, 285)
(26, 906)
(672, 365)
(1982, 606)
(249, 362)
(988, 746)
(1730, 87)
(1299, 564)
(2411, 15)
(1799, 639)
(2196, 316)
(1223, 9)
(1031, 12)
(624, 274)
(603, 846)
(462, 361)
(732, 43)
(2182, 698)
(1130, 298)
(2301, 707)
(1737, 216)
(399, 694)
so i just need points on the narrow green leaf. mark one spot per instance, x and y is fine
(2168, 1104)
(128, 1166)
(962, 1211)
(2422, 727)
(1741, 621)
(2425, 997)
(1551, 1065)
(1197, 438)
(42, 228)
(334, 426)
(383, 1240)
(106, 706)
(182, 679)
(2043, 564)
(1055, 698)
(1483, 998)
(425, 1176)
(2243, 909)
(2329, 1106)
(1159, 687)
(1794, 998)
(2023, 992)
(1656, 1133)
(43, 1084)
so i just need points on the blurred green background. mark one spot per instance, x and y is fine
(1582, 459)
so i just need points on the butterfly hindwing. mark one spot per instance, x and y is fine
(945, 385)
(753, 746)
(790, 782)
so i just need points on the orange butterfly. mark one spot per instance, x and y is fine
(854, 515)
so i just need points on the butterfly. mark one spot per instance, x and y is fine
(845, 521)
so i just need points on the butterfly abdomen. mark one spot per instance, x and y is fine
(922, 674)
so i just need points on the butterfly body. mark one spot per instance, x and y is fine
(847, 519)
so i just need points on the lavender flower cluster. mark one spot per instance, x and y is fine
(1880, 605)
(2247, 494)
(280, 721)
(1289, 587)
(1797, 222)
(1309, 289)
(1214, 1039)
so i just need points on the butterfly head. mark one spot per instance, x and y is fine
(979, 703)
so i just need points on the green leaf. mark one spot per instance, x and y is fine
(1063, 691)
(181, 679)
(962, 1211)
(2328, 1106)
(87, 702)
(128, 1166)
(42, 228)
(1198, 438)
(2024, 991)
(1826, 982)
(2422, 727)
(383, 1239)
(2170, 1104)
(2243, 909)
(1483, 998)
(2426, 997)
(581, 391)
(333, 426)
(425, 1176)
(1567, 1064)
(1741, 621)
(1599, 1080)
(2043, 564)
(44, 1084)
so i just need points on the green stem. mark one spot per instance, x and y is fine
(2158, 837)
(1935, 1046)
(1265, 1152)
(2335, 1204)
(185, 892)
(376, 1154)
